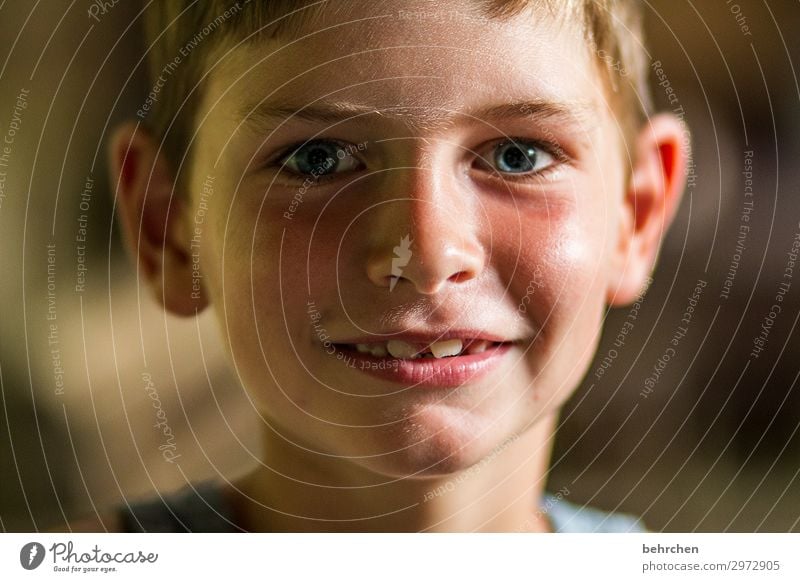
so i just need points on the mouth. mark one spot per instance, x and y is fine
(440, 349)
(450, 362)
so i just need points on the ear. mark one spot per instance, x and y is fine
(153, 219)
(651, 199)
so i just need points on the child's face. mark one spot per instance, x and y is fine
(529, 261)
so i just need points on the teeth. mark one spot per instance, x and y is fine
(478, 347)
(407, 351)
(379, 351)
(446, 348)
(443, 349)
(401, 349)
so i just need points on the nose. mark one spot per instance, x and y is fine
(424, 234)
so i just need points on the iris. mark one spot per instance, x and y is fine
(515, 158)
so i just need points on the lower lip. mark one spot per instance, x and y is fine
(449, 372)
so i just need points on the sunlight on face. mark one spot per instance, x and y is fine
(390, 185)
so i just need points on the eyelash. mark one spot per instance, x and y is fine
(279, 161)
(551, 149)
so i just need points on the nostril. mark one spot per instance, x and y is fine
(460, 277)
(429, 264)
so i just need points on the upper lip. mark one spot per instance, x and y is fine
(426, 338)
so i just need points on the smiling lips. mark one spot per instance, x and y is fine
(412, 351)
(446, 363)
(447, 360)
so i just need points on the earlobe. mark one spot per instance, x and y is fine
(150, 212)
(651, 200)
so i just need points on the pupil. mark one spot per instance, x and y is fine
(318, 158)
(516, 159)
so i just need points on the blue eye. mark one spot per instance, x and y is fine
(520, 157)
(320, 158)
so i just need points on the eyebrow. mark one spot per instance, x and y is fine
(266, 114)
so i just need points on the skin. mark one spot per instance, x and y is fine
(345, 451)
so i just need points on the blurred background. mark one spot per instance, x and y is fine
(702, 439)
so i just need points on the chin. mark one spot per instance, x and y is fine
(412, 466)
(428, 451)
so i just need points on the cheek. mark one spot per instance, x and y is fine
(561, 257)
(253, 272)
(561, 289)
(270, 262)
(574, 260)
(267, 269)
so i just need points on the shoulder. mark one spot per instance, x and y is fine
(567, 517)
(196, 507)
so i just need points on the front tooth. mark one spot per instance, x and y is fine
(363, 348)
(401, 349)
(447, 348)
(379, 351)
(478, 347)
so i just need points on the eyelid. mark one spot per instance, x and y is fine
(278, 162)
(286, 153)
(548, 147)
(556, 152)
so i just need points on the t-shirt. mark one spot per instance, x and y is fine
(202, 507)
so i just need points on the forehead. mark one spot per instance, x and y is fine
(409, 59)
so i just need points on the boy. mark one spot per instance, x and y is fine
(409, 219)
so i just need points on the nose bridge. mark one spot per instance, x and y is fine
(440, 219)
(426, 231)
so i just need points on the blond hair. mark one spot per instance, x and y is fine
(182, 35)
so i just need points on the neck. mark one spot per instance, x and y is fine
(501, 493)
